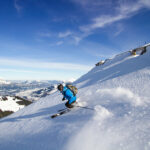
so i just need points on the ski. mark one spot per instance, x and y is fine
(66, 110)
(62, 109)
(60, 113)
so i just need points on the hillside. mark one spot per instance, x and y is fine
(118, 91)
(11, 104)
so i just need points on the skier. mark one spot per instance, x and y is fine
(68, 94)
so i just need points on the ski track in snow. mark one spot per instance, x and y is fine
(119, 94)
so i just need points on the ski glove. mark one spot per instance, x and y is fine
(63, 99)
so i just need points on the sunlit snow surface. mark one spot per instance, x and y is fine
(10, 104)
(119, 93)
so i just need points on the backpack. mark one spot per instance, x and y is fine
(73, 89)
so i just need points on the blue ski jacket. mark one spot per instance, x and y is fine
(68, 94)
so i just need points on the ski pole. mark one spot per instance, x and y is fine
(85, 107)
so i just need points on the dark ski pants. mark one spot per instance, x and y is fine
(70, 105)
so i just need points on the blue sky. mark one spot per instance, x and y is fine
(63, 39)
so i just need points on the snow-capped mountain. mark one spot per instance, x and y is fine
(24, 87)
(36, 94)
(117, 90)
(23, 91)
(2, 81)
(11, 104)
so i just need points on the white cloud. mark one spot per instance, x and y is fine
(123, 11)
(64, 34)
(92, 4)
(146, 3)
(77, 39)
(17, 6)
(74, 37)
(45, 34)
(100, 22)
(43, 65)
(120, 28)
(79, 36)
(17, 70)
(59, 43)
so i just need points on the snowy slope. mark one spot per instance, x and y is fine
(119, 93)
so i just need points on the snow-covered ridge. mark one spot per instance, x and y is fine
(12, 103)
(120, 65)
(118, 91)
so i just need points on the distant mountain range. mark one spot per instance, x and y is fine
(12, 88)
(2, 81)
(15, 95)
(35, 94)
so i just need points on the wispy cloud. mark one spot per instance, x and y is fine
(57, 19)
(92, 5)
(64, 34)
(120, 28)
(71, 37)
(17, 6)
(77, 39)
(43, 65)
(45, 34)
(59, 43)
(123, 11)
(79, 36)
(118, 11)
(18, 70)
(101, 21)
